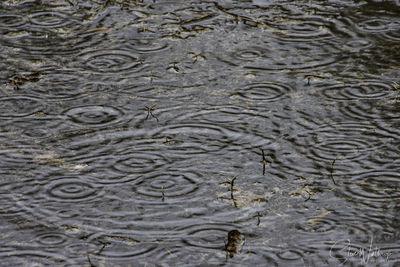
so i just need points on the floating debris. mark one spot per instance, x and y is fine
(20, 79)
(235, 243)
(318, 218)
(54, 158)
(264, 160)
(150, 111)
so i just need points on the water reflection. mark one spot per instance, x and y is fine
(154, 131)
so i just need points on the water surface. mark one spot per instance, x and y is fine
(145, 133)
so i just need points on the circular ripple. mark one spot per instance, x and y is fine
(276, 54)
(343, 148)
(49, 19)
(113, 61)
(393, 35)
(249, 53)
(123, 246)
(345, 141)
(210, 236)
(51, 239)
(23, 256)
(21, 157)
(120, 250)
(159, 92)
(371, 110)
(11, 21)
(79, 249)
(357, 45)
(303, 31)
(364, 90)
(260, 256)
(176, 185)
(290, 255)
(264, 91)
(19, 106)
(379, 186)
(220, 129)
(70, 37)
(139, 162)
(94, 115)
(144, 46)
(374, 25)
(175, 255)
(322, 226)
(58, 85)
(71, 190)
(37, 44)
(13, 192)
(107, 175)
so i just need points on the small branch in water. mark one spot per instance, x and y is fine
(333, 164)
(232, 181)
(104, 245)
(90, 262)
(308, 77)
(231, 189)
(258, 218)
(150, 112)
(162, 194)
(20, 79)
(174, 67)
(264, 161)
(197, 56)
(309, 196)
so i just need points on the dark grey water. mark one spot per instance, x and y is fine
(199, 133)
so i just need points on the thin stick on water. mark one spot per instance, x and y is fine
(90, 262)
(150, 112)
(264, 161)
(333, 164)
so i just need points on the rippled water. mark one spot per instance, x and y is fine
(199, 133)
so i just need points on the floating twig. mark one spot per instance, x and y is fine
(170, 141)
(309, 195)
(173, 66)
(20, 79)
(104, 245)
(162, 194)
(264, 161)
(318, 218)
(231, 189)
(150, 111)
(197, 56)
(90, 262)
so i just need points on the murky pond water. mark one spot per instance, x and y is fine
(199, 133)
